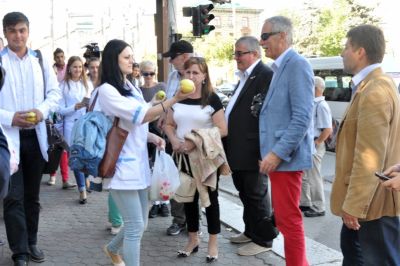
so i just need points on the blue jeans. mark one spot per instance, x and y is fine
(376, 243)
(80, 180)
(133, 205)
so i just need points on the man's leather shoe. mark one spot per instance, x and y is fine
(312, 213)
(36, 254)
(20, 262)
(304, 208)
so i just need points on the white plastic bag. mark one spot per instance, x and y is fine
(165, 178)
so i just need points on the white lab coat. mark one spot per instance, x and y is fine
(8, 101)
(132, 170)
(71, 96)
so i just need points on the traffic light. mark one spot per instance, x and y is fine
(201, 18)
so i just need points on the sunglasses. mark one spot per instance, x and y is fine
(239, 53)
(265, 36)
(146, 74)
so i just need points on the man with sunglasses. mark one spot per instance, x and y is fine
(286, 136)
(242, 144)
(179, 53)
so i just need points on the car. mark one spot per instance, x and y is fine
(226, 88)
(223, 98)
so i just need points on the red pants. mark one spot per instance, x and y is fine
(63, 167)
(286, 192)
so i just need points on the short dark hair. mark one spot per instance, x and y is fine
(13, 18)
(57, 51)
(370, 38)
(109, 68)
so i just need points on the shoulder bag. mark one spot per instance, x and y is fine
(187, 187)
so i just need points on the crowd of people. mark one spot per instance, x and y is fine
(271, 132)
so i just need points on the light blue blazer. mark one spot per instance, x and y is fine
(286, 115)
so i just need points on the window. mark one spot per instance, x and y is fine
(245, 22)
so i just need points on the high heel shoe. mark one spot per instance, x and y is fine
(184, 254)
(211, 259)
(82, 197)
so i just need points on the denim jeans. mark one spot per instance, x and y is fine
(376, 243)
(114, 216)
(80, 180)
(133, 205)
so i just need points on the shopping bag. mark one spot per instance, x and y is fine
(165, 177)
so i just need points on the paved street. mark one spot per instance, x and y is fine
(73, 234)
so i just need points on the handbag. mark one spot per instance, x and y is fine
(115, 140)
(187, 188)
(57, 145)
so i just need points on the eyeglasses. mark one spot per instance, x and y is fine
(239, 53)
(265, 36)
(146, 74)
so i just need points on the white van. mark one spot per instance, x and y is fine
(338, 92)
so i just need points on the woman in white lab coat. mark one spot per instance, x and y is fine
(76, 92)
(117, 97)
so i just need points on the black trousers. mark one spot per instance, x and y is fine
(21, 206)
(253, 192)
(212, 213)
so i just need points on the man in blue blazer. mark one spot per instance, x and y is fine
(286, 133)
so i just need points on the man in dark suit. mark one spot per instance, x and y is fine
(242, 143)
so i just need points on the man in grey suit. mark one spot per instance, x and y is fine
(286, 133)
(242, 144)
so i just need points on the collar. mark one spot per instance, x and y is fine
(275, 66)
(248, 71)
(360, 76)
(12, 54)
(319, 99)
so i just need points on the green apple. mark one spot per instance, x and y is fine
(187, 86)
(160, 95)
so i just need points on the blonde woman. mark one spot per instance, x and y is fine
(75, 88)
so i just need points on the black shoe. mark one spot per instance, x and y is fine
(36, 254)
(185, 254)
(175, 229)
(163, 210)
(211, 259)
(154, 211)
(304, 208)
(20, 262)
(312, 213)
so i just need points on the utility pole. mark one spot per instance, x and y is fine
(162, 28)
(52, 25)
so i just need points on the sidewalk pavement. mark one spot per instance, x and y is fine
(73, 234)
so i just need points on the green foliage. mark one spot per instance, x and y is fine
(322, 31)
(217, 50)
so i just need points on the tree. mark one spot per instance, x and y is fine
(321, 31)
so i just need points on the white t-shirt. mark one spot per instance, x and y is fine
(190, 114)
(132, 170)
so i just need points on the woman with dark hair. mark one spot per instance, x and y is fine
(203, 110)
(117, 97)
(75, 87)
